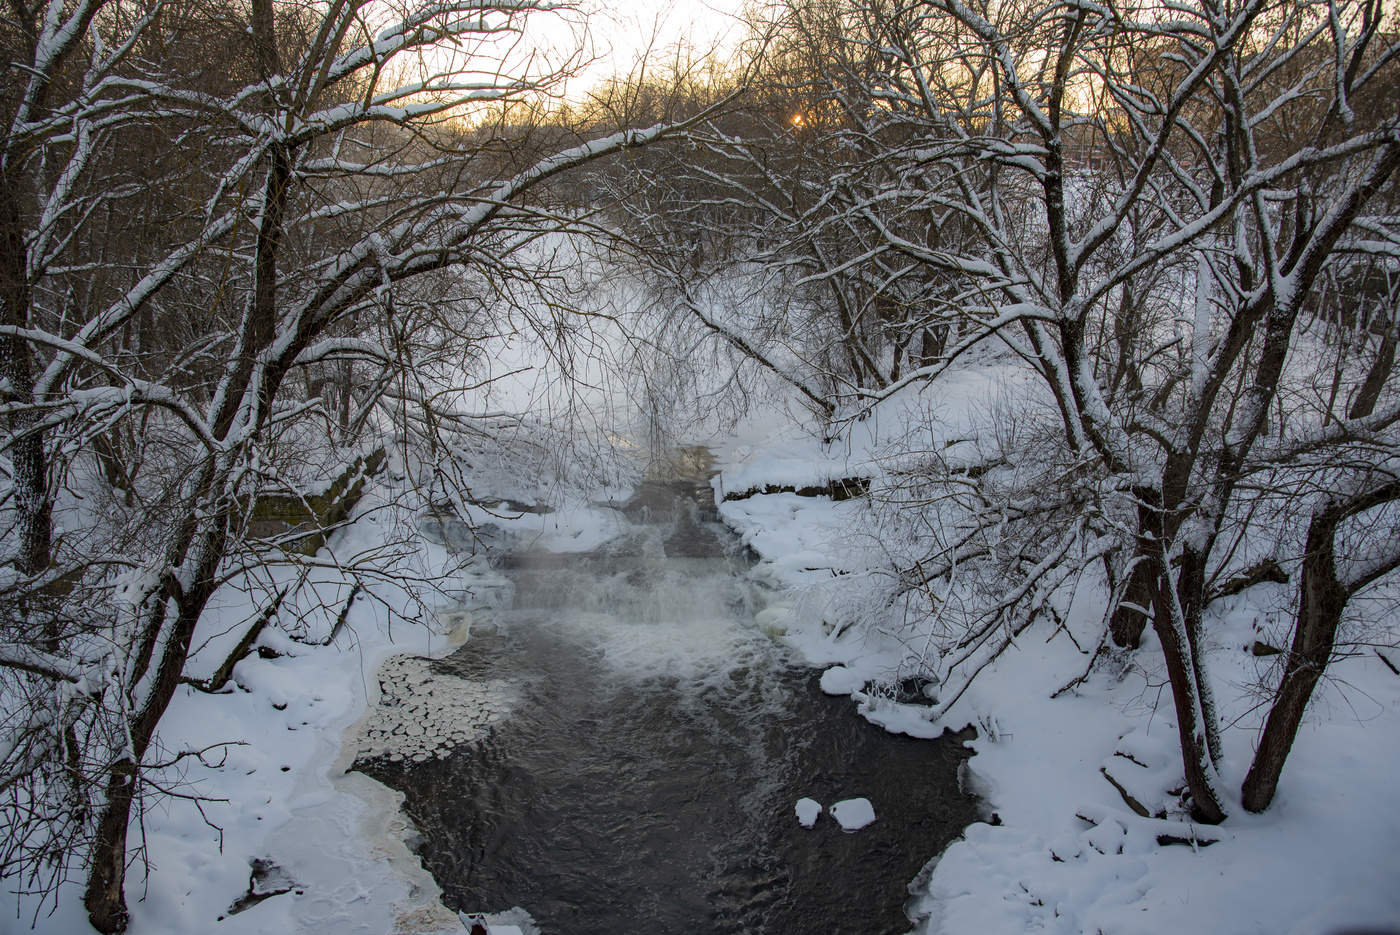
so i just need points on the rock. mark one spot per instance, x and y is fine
(266, 880)
(807, 811)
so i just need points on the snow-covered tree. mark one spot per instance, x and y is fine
(227, 233)
(1158, 208)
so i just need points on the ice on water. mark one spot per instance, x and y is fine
(423, 714)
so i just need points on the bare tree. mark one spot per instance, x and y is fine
(1146, 201)
(303, 268)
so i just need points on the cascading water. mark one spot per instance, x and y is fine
(633, 745)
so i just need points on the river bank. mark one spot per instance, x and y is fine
(321, 851)
(1066, 765)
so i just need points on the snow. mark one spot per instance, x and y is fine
(515, 921)
(839, 680)
(853, 814)
(1061, 850)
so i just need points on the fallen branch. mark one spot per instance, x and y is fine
(1267, 571)
(1127, 796)
(344, 613)
(221, 676)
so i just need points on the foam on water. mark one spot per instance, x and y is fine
(647, 615)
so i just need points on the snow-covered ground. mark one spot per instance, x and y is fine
(1062, 851)
(272, 785)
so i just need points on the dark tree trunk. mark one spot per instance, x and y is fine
(344, 385)
(1321, 602)
(1191, 597)
(935, 342)
(1129, 618)
(31, 499)
(1193, 712)
(1206, 806)
(1382, 365)
(1322, 599)
(103, 899)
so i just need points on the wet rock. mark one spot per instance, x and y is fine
(266, 880)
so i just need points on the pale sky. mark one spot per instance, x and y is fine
(621, 31)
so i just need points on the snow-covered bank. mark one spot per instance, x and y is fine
(1062, 770)
(271, 783)
(1069, 853)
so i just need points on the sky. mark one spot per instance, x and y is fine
(621, 32)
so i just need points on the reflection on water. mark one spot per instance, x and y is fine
(645, 776)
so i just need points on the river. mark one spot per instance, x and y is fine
(625, 748)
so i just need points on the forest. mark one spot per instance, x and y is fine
(255, 254)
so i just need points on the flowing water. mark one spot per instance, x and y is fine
(643, 745)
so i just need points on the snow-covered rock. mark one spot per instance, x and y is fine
(853, 814)
(839, 680)
(807, 811)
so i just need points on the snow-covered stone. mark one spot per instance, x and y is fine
(807, 811)
(839, 680)
(853, 814)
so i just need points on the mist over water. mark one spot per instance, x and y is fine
(644, 778)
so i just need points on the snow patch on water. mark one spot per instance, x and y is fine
(513, 921)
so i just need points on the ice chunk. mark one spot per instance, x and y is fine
(853, 814)
(807, 811)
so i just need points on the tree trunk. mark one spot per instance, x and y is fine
(1129, 618)
(1192, 715)
(103, 899)
(1382, 365)
(1206, 806)
(1322, 598)
(1321, 602)
(344, 385)
(31, 498)
(1191, 598)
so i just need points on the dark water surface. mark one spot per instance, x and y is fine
(645, 777)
